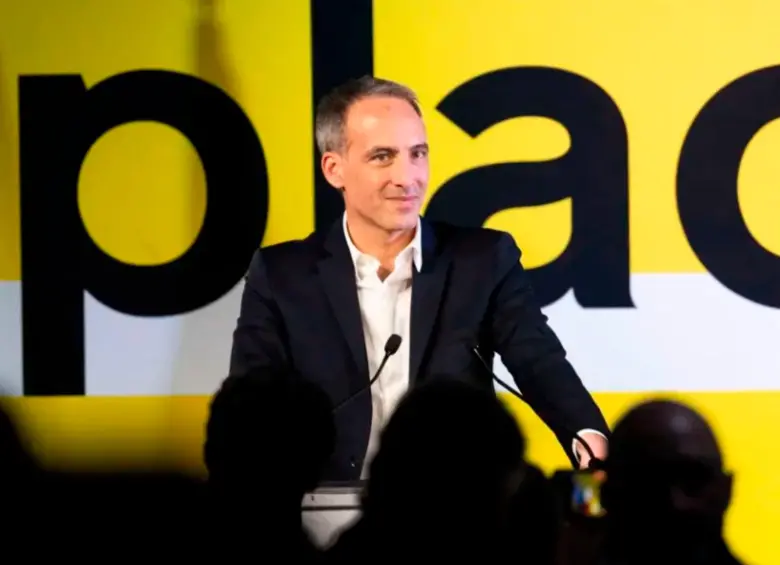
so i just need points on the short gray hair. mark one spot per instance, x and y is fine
(332, 109)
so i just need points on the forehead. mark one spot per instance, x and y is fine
(384, 121)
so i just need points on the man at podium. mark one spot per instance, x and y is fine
(383, 299)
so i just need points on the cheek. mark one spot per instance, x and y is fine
(366, 188)
(423, 174)
(372, 183)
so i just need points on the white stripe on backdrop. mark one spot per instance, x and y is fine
(687, 333)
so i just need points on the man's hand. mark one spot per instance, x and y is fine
(597, 444)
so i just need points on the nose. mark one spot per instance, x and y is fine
(404, 173)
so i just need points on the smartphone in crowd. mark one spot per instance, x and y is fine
(580, 492)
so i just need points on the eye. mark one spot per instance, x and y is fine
(381, 157)
(421, 153)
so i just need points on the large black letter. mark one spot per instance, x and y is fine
(342, 48)
(707, 186)
(60, 119)
(594, 173)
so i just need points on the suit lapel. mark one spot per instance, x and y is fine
(337, 274)
(427, 290)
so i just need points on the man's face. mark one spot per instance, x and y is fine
(383, 167)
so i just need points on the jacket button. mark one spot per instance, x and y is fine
(352, 463)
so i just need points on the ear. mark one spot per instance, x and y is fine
(713, 499)
(332, 164)
(725, 491)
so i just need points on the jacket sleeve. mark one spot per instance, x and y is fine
(533, 354)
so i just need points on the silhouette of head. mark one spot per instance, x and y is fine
(453, 454)
(665, 473)
(16, 462)
(270, 429)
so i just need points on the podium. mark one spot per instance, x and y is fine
(330, 509)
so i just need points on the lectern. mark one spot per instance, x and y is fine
(330, 509)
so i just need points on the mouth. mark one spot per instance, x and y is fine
(403, 199)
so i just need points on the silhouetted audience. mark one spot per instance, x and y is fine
(268, 439)
(17, 465)
(534, 521)
(666, 492)
(127, 514)
(440, 486)
(92, 514)
(18, 476)
(449, 482)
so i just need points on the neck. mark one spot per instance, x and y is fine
(379, 243)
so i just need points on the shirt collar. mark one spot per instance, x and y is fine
(415, 246)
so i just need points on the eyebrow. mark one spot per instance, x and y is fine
(394, 150)
(382, 149)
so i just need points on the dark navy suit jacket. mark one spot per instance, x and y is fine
(300, 311)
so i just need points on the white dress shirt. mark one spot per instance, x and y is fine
(385, 309)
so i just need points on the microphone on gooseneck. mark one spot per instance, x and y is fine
(595, 463)
(391, 347)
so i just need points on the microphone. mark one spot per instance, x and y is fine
(595, 463)
(391, 347)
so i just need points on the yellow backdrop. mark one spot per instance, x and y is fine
(142, 195)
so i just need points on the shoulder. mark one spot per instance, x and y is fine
(288, 256)
(477, 241)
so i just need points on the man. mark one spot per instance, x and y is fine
(666, 491)
(268, 437)
(461, 485)
(327, 305)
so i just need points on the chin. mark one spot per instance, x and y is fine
(406, 222)
(397, 220)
